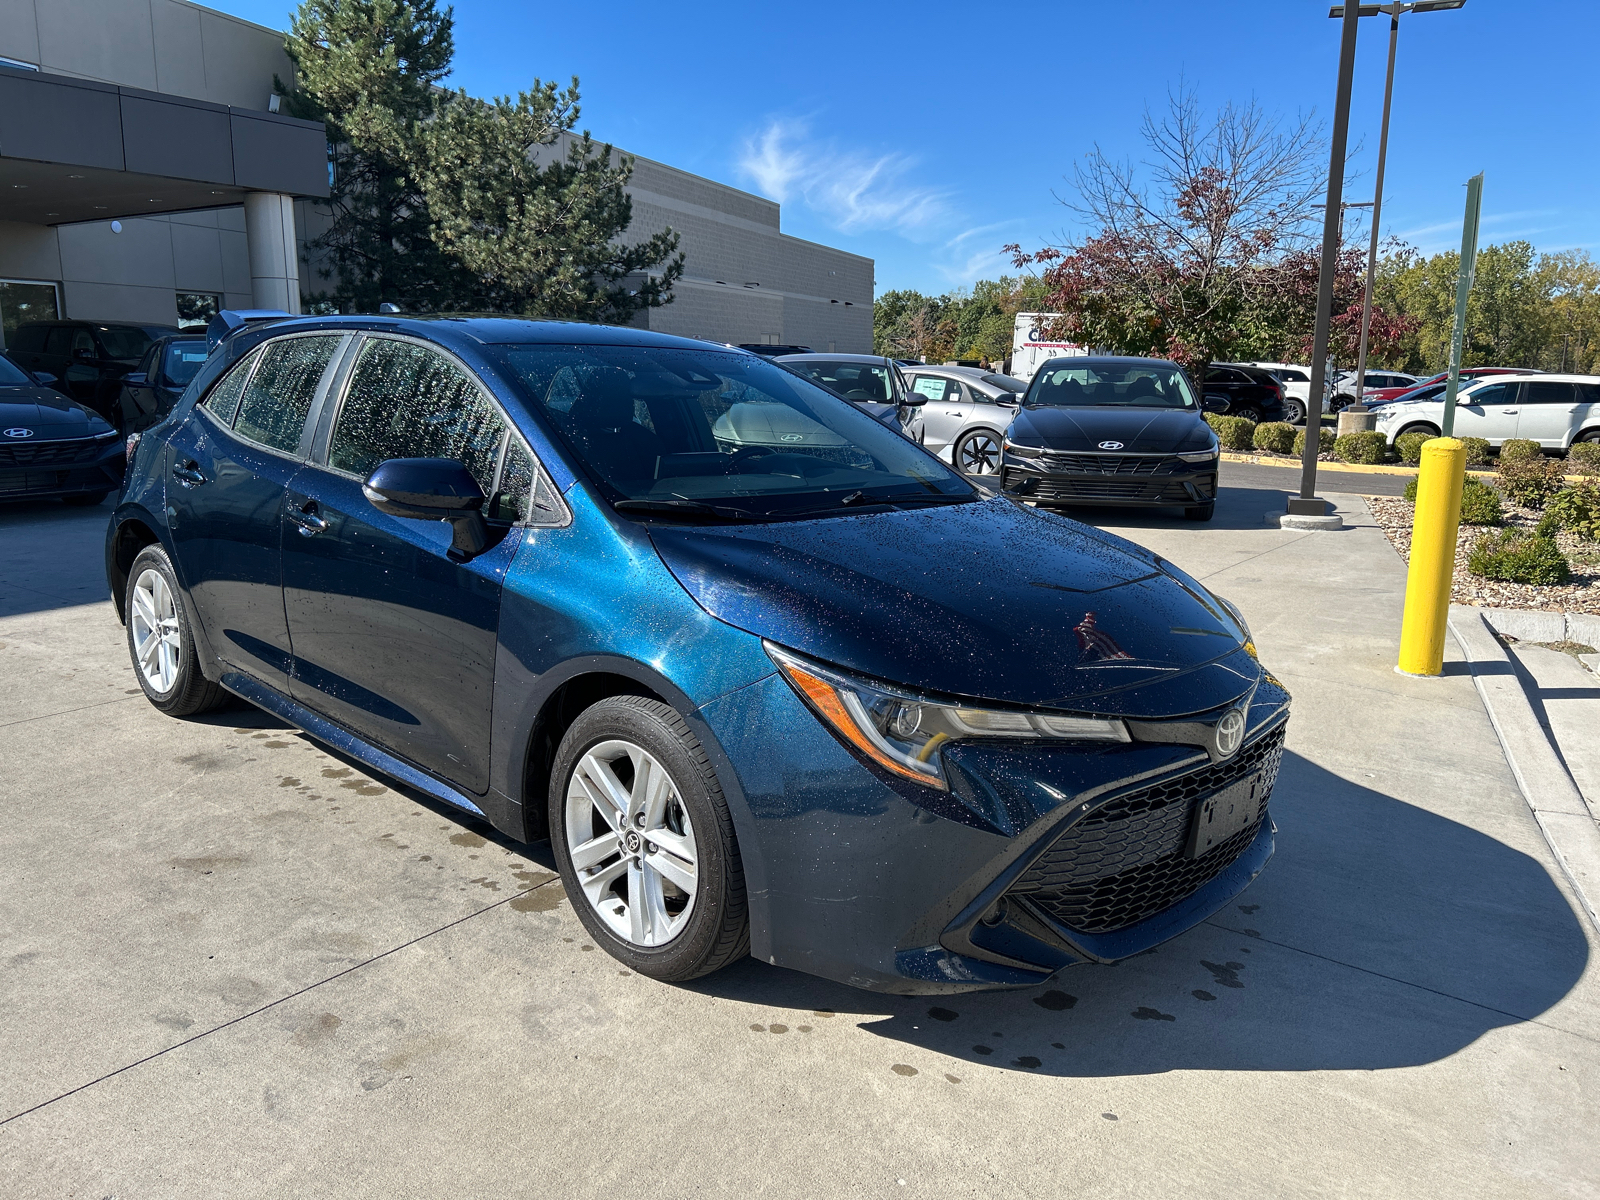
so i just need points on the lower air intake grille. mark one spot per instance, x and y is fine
(1125, 861)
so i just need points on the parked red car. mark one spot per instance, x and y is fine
(1382, 395)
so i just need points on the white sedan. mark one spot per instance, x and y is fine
(1553, 410)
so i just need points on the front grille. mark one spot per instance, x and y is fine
(1110, 464)
(1153, 492)
(49, 454)
(1125, 861)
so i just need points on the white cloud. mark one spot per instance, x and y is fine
(852, 190)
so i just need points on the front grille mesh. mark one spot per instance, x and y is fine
(1154, 491)
(1124, 861)
(43, 454)
(1110, 464)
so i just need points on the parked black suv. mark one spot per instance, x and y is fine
(88, 357)
(1247, 392)
(149, 393)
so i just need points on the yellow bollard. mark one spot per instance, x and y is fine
(1433, 555)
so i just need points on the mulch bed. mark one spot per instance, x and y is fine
(1582, 595)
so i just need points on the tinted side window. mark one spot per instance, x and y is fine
(1493, 394)
(278, 397)
(29, 339)
(1223, 375)
(406, 401)
(1548, 393)
(60, 341)
(223, 399)
(524, 496)
(1589, 393)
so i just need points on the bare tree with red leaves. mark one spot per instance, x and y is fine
(1199, 262)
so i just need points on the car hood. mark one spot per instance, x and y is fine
(990, 600)
(48, 413)
(1140, 430)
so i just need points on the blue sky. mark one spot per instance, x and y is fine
(928, 135)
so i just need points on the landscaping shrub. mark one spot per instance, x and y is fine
(1369, 448)
(1477, 451)
(1277, 436)
(1235, 433)
(1530, 481)
(1325, 440)
(1409, 447)
(1515, 557)
(1518, 450)
(1584, 458)
(1480, 504)
(1576, 508)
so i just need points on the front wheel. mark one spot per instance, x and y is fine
(160, 641)
(977, 453)
(644, 842)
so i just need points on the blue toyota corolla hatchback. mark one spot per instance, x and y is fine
(771, 678)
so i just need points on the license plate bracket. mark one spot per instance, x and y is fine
(1219, 816)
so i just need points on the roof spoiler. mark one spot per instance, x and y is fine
(231, 320)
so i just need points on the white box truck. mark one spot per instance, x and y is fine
(1028, 350)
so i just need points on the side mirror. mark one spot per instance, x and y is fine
(45, 379)
(1009, 399)
(83, 352)
(432, 489)
(136, 379)
(1214, 402)
(913, 400)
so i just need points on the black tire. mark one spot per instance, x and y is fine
(1249, 412)
(1588, 435)
(85, 499)
(1294, 412)
(1200, 512)
(1430, 430)
(959, 449)
(190, 691)
(717, 929)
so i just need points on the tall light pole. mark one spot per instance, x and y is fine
(1395, 11)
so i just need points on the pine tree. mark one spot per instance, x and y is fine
(541, 238)
(369, 70)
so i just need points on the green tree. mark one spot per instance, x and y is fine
(540, 239)
(369, 70)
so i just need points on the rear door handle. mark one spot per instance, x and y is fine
(188, 472)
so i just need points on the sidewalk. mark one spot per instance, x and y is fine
(235, 965)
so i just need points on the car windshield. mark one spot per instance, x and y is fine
(1102, 385)
(12, 375)
(852, 380)
(122, 341)
(724, 435)
(182, 361)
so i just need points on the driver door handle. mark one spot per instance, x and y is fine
(305, 518)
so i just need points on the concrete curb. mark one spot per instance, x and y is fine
(1564, 817)
(1530, 625)
(1360, 468)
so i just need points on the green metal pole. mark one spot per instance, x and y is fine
(1469, 262)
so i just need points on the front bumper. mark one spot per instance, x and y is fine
(1110, 479)
(1040, 855)
(61, 468)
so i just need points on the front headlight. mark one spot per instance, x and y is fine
(1022, 451)
(1199, 456)
(903, 733)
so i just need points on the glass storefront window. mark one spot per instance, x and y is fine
(22, 301)
(197, 308)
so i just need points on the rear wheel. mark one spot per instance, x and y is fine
(160, 641)
(1249, 412)
(644, 842)
(977, 453)
(1293, 411)
(1200, 512)
(1431, 430)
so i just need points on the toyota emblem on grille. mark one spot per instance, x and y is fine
(1111, 445)
(1230, 733)
(17, 431)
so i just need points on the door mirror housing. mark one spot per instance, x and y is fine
(913, 400)
(83, 352)
(45, 379)
(432, 489)
(135, 379)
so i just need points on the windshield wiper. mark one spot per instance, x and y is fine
(683, 508)
(862, 500)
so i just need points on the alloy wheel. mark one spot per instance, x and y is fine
(157, 643)
(631, 843)
(978, 454)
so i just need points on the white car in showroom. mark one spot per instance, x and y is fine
(1553, 410)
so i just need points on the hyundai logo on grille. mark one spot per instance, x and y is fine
(1230, 732)
(1111, 445)
(18, 431)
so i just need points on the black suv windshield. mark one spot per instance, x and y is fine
(1110, 385)
(124, 341)
(702, 433)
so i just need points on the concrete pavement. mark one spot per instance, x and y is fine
(233, 964)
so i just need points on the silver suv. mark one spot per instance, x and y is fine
(966, 413)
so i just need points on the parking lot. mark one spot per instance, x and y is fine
(236, 964)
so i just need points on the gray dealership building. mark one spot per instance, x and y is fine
(144, 179)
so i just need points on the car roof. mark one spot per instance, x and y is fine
(490, 331)
(816, 356)
(1120, 360)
